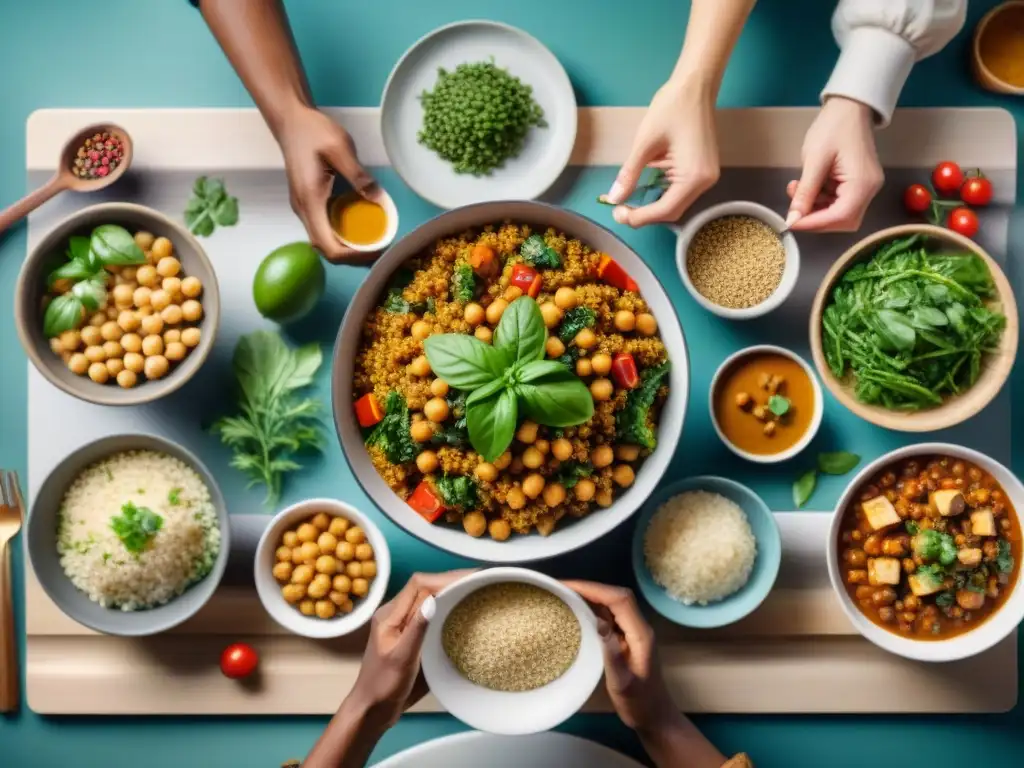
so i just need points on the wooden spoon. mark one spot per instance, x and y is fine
(65, 178)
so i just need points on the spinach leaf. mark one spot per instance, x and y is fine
(391, 434)
(458, 491)
(114, 246)
(1004, 558)
(804, 487)
(395, 302)
(464, 361)
(492, 423)
(136, 526)
(536, 251)
(571, 472)
(463, 283)
(945, 599)
(521, 332)
(209, 207)
(837, 462)
(558, 399)
(633, 423)
(574, 321)
(64, 313)
(454, 432)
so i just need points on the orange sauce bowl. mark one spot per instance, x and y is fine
(365, 225)
(991, 74)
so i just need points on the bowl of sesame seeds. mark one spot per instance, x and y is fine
(737, 259)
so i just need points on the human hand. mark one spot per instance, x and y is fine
(314, 147)
(841, 173)
(677, 136)
(631, 667)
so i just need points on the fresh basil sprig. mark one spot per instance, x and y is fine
(508, 379)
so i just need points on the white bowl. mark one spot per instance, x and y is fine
(812, 428)
(269, 589)
(991, 631)
(516, 713)
(790, 271)
(383, 199)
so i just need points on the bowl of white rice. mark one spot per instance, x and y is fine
(128, 535)
(706, 551)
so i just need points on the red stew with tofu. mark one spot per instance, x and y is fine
(930, 548)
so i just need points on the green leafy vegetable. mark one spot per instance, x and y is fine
(391, 434)
(114, 246)
(492, 423)
(64, 313)
(574, 321)
(521, 332)
(456, 432)
(931, 576)
(136, 526)
(945, 599)
(209, 207)
(571, 472)
(274, 424)
(804, 487)
(935, 546)
(1004, 559)
(174, 496)
(463, 283)
(778, 405)
(911, 527)
(91, 293)
(657, 182)
(537, 252)
(837, 462)
(76, 269)
(558, 399)
(633, 424)
(458, 491)
(464, 361)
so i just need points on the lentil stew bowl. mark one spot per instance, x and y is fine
(924, 552)
(542, 484)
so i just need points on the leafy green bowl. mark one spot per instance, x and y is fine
(995, 365)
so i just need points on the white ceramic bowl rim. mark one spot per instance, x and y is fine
(686, 232)
(812, 428)
(385, 201)
(269, 590)
(990, 632)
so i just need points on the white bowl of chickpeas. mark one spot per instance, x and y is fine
(322, 568)
(117, 305)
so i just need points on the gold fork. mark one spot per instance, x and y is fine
(11, 512)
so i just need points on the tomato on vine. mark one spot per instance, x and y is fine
(976, 190)
(947, 178)
(963, 221)
(917, 198)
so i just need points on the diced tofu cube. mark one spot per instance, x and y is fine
(924, 584)
(883, 570)
(948, 503)
(969, 557)
(983, 522)
(880, 513)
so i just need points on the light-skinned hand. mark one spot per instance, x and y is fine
(676, 135)
(841, 172)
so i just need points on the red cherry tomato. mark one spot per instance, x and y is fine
(239, 660)
(964, 221)
(947, 178)
(917, 198)
(977, 190)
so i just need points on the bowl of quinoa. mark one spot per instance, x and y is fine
(600, 342)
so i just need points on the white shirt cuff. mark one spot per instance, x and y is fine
(872, 69)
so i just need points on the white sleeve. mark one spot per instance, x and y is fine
(879, 42)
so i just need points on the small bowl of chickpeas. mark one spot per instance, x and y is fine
(322, 568)
(149, 327)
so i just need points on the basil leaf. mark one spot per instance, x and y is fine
(488, 389)
(464, 362)
(72, 270)
(492, 423)
(804, 487)
(558, 399)
(521, 331)
(92, 293)
(226, 212)
(78, 248)
(115, 246)
(64, 313)
(837, 463)
(778, 405)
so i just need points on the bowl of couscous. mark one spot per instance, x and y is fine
(510, 382)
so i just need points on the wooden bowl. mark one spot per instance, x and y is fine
(995, 368)
(982, 73)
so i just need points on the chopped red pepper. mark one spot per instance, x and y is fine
(609, 270)
(526, 278)
(426, 502)
(624, 371)
(368, 410)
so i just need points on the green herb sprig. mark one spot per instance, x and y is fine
(834, 463)
(136, 526)
(656, 182)
(537, 252)
(210, 207)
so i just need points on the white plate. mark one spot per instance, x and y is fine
(484, 750)
(545, 152)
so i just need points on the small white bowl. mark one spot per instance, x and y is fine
(790, 271)
(518, 713)
(269, 589)
(812, 428)
(991, 631)
(383, 199)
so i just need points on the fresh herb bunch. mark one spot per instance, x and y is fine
(463, 283)
(537, 252)
(833, 463)
(273, 423)
(209, 207)
(508, 378)
(477, 117)
(109, 245)
(911, 325)
(136, 526)
(633, 424)
(391, 434)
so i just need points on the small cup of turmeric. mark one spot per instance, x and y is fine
(363, 223)
(998, 50)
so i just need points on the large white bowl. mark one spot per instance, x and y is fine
(991, 631)
(269, 589)
(515, 713)
(569, 535)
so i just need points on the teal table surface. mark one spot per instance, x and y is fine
(132, 53)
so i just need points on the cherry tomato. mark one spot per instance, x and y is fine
(947, 178)
(964, 221)
(239, 660)
(917, 198)
(977, 190)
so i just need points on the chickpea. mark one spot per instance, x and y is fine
(131, 342)
(341, 583)
(512, 293)
(769, 428)
(307, 608)
(602, 389)
(369, 569)
(473, 313)
(90, 336)
(554, 494)
(172, 335)
(167, 266)
(283, 570)
(128, 321)
(355, 535)
(114, 364)
(172, 285)
(585, 339)
(503, 461)
(421, 431)
(475, 524)
(290, 539)
(147, 276)
(297, 556)
(337, 527)
(561, 449)
(144, 240)
(627, 452)
(584, 367)
(602, 456)
(159, 299)
(152, 345)
(427, 462)
(625, 321)
(439, 387)
(310, 550)
(495, 310)
(175, 351)
(584, 489)
(98, 319)
(499, 529)
(325, 609)
(111, 312)
(360, 587)
(604, 498)
(742, 400)
(554, 347)
(484, 333)
(95, 354)
(112, 349)
(78, 364)
(436, 409)
(623, 475)
(420, 366)
(346, 551)
(70, 340)
(420, 329)
(302, 574)
(488, 473)
(326, 564)
(191, 287)
(533, 485)
(173, 314)
(532, 458)
(527, 432)
(321, 521)
(317, 589)
(565, 298)
(122, 295)
(134, 362)
(152, 325)
(306, 532)
(293, 593)
(354, 569)
(516, 467)
(515, 498)
(602, 363)
(551, 314)
(98, 372)
(190, 337)
(364, 551)
(646, 325)
(142, 296)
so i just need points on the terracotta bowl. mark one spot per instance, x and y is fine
(995, 368)
(982, 73)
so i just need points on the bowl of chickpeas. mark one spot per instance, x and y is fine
(322, 568)
(111, 332)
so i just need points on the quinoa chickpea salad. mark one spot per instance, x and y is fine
(509, 378)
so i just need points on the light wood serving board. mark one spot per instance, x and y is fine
(797, 653)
